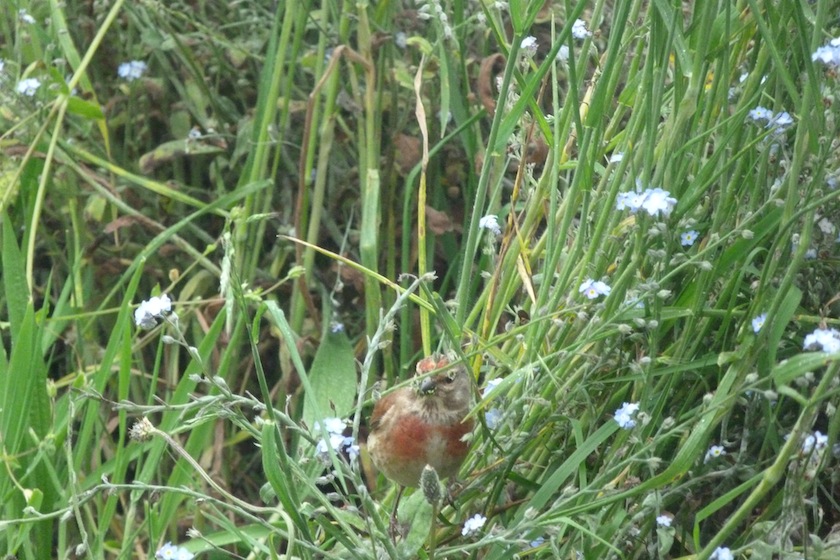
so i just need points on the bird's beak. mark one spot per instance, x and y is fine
(427, 386)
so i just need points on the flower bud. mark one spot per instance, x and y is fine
(430, 484)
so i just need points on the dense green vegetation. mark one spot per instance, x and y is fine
(622, 216)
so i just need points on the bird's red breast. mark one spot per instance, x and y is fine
(411, 429)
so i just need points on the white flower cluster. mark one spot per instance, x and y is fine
(337, 440)
(722, 553)
(827, 340)
(132, 70)
(24, 16)
(539, 541)
(687, 238)
(473, 524)
(714, 452)
(813, 448)
(758, 322)
(170, 551)
(529, 46)
(828, 54)
(663, 520)
(655, 201)
(579, 30)
(778, 122)
(491, 223)
(28, 87)
(148, 312)
(594, 288)
(814, 442)
(492, 417)
(624, 415)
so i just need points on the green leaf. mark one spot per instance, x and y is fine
(333, 379)
(516, 13)
(444, 113)
(86, 109)
(69, 52)
(681, 52)
(780, 321)
(559, 477)
(665, 540)
(735, 253)
(14, 278)
(446, 320)
(174, 149)
(271, 466)
(523, 13)
(794, 368)
(424, 45)
(25, 383)
(25, 421)
(417, 512)
(17, 386)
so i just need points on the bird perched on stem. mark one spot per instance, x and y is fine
(422, 424)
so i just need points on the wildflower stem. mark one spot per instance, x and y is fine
(264, 122)
(480, 199)
(369, 173)
(420, 113)
(433, 532)
(59, 124)
(330, 79)
(373, 343)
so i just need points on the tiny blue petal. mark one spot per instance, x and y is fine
(688, 238)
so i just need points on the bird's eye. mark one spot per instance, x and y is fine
(449, 378)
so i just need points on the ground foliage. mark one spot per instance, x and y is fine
(622, 216)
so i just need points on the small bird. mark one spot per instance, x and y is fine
(423, 424)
